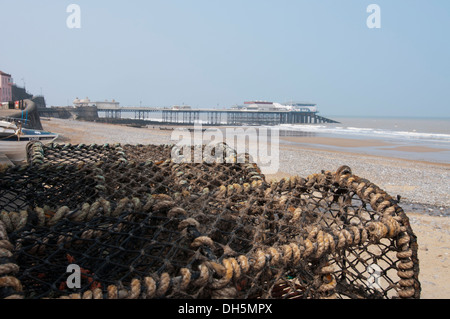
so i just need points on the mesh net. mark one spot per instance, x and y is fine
(140, 225)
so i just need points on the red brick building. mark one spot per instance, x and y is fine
(6, 83)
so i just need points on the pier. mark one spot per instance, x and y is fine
(214, 116)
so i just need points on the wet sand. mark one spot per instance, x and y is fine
(415, 149)
(426, 185)
(332, 141)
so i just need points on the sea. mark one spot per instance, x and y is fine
(431, 133)
(429, 136)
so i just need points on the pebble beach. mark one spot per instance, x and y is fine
(424, 187)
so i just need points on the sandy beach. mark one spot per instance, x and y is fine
(423, 186)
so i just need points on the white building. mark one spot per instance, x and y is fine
(271, 106)
(259, 106)
(83, 102)
(100, 105)
(107, 104)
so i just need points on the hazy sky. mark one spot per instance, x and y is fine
(210, 53)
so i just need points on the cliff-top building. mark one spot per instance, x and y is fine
(101, 104)
(6, 83)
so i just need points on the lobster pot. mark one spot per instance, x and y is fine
(133, 221)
